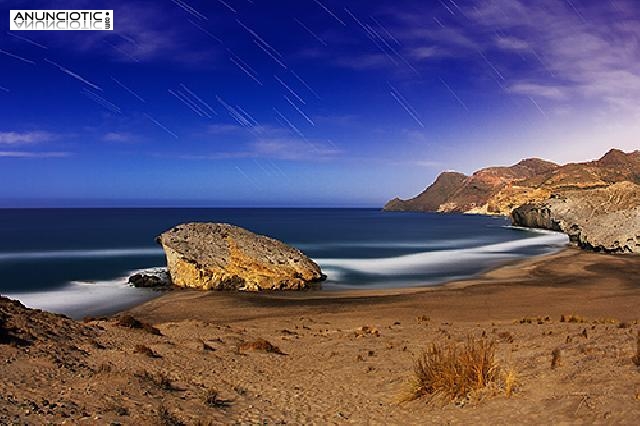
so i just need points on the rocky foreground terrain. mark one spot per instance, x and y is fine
(198, 358)
(220, 256)
(597, 203)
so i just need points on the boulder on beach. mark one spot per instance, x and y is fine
(219, 256)
(142, 280)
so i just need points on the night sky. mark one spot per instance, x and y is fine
(307, 102)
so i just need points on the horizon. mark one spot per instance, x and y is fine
(147, 203)
(308, 105)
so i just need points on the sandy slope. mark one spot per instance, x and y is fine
(334, 372)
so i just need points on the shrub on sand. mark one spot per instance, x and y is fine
(454, 371)
(636, 357)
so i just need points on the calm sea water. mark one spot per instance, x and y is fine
(76, 261)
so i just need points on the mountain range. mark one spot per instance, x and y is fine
(597, 203)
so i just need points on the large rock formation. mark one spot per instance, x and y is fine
(595, 202)
(225, 257)
(600, 219)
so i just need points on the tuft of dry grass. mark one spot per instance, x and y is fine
(572, 318)
(636, 357)
(159, 380)
(212, 399)
(423, 318)
(505, 336)
(510, 381)
(556, 358)
(166, 418)
(454, 371)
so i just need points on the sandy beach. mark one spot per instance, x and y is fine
(347, 357)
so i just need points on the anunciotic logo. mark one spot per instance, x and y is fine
(61, 20)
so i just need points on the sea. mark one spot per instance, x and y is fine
(77, 261)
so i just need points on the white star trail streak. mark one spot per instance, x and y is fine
(299, 110)
(101, 101)
(454, 94)
(197, 98)
(192, 106)
(398, 97)
(244, 70)
(227, 5)
(290, 124)
(160, 125)
(314, 35)
(28, 40)
(190, 10)
(333, 15)
(278, 61)
(286, 86)
(304, 83)
(257, 37)
(73, 74)
(134, 94)
(14, 56)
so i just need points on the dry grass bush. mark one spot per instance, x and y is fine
(505, 336)
(166, 418)
(636, 357)
(423, 318)
(213, 400)
(159, 380)
(536, 320)
(572, 318)
(455, 371)
(556, 358)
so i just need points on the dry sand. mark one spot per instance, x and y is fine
(348, 356)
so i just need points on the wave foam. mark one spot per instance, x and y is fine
(421, 261)
(81, 298)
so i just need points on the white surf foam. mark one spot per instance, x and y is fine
(420, 261)
(81, 298)
(390, 244)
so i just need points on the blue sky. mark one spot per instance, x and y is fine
(307, 102)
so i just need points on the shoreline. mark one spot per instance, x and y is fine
(354, 293)
(559, 273)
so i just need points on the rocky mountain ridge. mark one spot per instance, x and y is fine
(595, 202)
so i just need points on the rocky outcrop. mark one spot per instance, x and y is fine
(225, 257)
(600, 219)
(154, 278)
(535, 216)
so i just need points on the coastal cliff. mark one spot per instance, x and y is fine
(220, 256)
(602, 219)
(597, 203)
